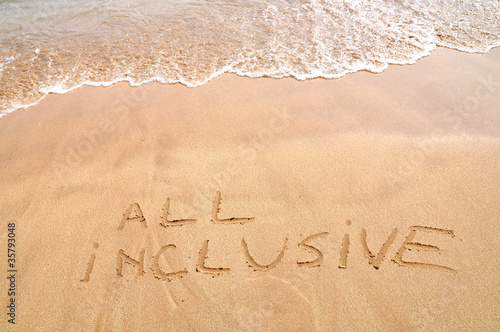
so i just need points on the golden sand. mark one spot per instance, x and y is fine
(365, 203)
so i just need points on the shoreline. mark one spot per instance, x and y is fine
(53, 91)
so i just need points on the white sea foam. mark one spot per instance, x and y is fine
(60, 46)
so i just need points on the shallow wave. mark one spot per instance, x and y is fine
(70, 43)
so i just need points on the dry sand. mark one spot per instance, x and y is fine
(409, 157)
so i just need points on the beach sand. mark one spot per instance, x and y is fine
(409, 157)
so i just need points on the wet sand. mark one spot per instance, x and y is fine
(368, 202)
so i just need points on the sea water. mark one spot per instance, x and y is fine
(58, 45)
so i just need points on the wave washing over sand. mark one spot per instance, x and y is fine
(60, 45)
